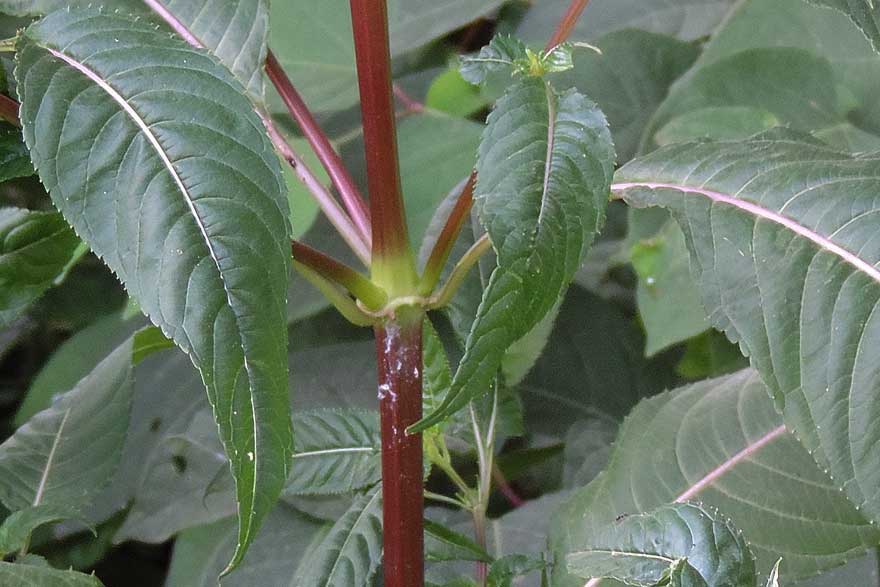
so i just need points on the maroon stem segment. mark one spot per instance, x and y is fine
(9, 110)
(370, 28)
(327, 155)
(399, 359)
(567, 22)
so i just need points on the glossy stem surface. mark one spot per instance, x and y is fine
(393, 266)
(399, 360)
(567, 22)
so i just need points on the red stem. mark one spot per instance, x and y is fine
(446, 238)
(567, 22)
(9, 110)
(410, 103)
(327, 155)
(390, 238)
(399, 359)
(356, 283)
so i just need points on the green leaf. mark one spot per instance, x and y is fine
(185, 483)
(443, 544)
(651, 62)
(283, 545)
(669, 302)
(685, 19)
(350, 554)
(436, 374)
(36, 249)
(16, 529)
(235, 32)
(336, 451)
(787, 269)
(509, 54)
(719, 442)
(543, 175)
(67, 453)
(14, 158)
(767, 27)
(642, 549)
(864, 13)
(506, 569)
(719, 122)
(450, 93)
(569, 383)
(313, 41)
(201, 234)
(34, 576)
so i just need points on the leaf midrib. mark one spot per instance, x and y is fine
(38, 496)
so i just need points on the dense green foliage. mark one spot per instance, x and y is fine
(649, 360)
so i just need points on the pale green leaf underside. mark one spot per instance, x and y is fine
(719, 442)
(543, 173)
(65, 454)
(640, 549)
(350, 553)
(39, 576)
(782, 233)
(167, 146)
(35, 249)
(335, 451)
(864, 13)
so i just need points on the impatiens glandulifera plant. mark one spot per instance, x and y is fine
(611, 280)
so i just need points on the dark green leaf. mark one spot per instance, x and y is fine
(506, 569)
(719, 442)
(201, 234)
(718, 122)
(543, 175)
(781, 233)
(36, 248)
(18, 526)
(14, 158)
(351, 551)
(443, 544)
(39, 576)
(642, 549)
(651, 62)
(235, 31)
(335, 451)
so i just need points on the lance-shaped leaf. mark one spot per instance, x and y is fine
(350, 553)
(44, 576)
(864, 13)
(65, 454)
(720, 443)
(544, 171)
(36, 248)
(169, 177)
(443, 544)
(643, 549)
(336, 451)
(782, 233)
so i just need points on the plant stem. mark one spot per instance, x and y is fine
(331, 208)
(399, 359)
(467, 261)
(327, 155)
(9, 110)
(567, 22)
(345, 305)
(446, 240)
(411, 104)
(485, 459)
(393, 266)
(358, 285)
